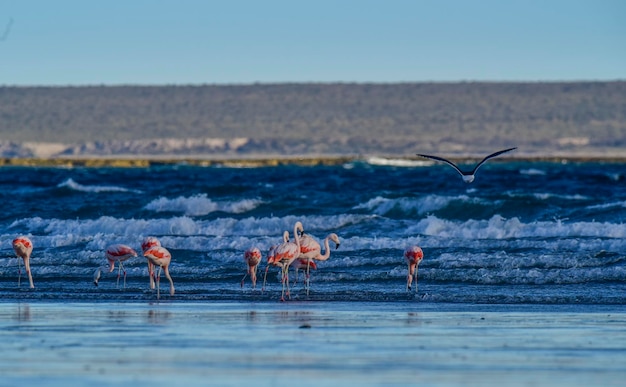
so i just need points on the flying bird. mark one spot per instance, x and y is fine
(468, 177)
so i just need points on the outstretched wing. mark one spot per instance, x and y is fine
(444, 160)
(498, 153)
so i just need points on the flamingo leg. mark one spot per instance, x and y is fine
(19, 272)
(409, 279)
(151, 274)
(253, 276)
(30, 276)
(307, 282)
(158, 283)
(167, 275)
(243, 279)
(287, 281)
(265, 278)
(119, 272)
(124, 270)
(416, 267)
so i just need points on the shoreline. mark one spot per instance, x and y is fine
(141, 161)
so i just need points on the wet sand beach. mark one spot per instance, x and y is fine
(311, 344)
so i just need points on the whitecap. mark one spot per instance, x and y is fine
(200, 205)
(71, 184)
(383, 161)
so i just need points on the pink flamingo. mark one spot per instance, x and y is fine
(147, 243)
(252, 256)
(271, 258)
(23, 248)
(311, 250)
(159, 256)
(115, 253)
(413, 255)
(285, 254)
(299, 263)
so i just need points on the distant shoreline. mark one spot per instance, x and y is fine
(271, 161)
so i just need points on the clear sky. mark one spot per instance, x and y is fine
(78, 42)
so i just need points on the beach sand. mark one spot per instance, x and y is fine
(310, 344)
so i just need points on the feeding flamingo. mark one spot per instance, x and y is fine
(252, 256)
(115, 253)
(311, 250)
(413, 255)
(271, 257)
(159, 256)
(23, 248)
(147, 243)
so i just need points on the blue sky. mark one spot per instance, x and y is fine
(79, 42)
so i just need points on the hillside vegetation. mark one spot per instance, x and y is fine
(291, 119)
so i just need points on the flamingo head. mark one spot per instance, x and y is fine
(333, 237)
(149, 242)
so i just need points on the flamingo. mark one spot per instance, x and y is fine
(252, 256)
(23, 248)
(299, 263)
(147, 243)
(468, 177)
(413, 255)
(271, 257)
(159, 256)
(115, 253)
(310, 249)
(286, 253)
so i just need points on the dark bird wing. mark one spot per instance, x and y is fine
(498, 153)
(444, 160)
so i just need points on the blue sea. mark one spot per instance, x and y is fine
(530, 257)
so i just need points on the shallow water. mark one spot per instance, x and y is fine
(523, 280)
(315, 344)
(523, 232)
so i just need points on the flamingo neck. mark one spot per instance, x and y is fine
(326, 254)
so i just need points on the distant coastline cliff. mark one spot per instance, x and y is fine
(313, 119)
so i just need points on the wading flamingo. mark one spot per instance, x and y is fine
(23, 248)
(284, 255)
(147, 243)
(115, 253)
(159, 256)
(299, 263)
(413, 255)
(252, 256)
(311, 250)
(468, 177)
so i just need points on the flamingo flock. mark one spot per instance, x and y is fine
(300, 253)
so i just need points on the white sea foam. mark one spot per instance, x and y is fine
(421, 205)
(200, 205)
(71, 184)
(397, 162)
(532, 172)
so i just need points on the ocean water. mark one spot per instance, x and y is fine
(530, 257)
